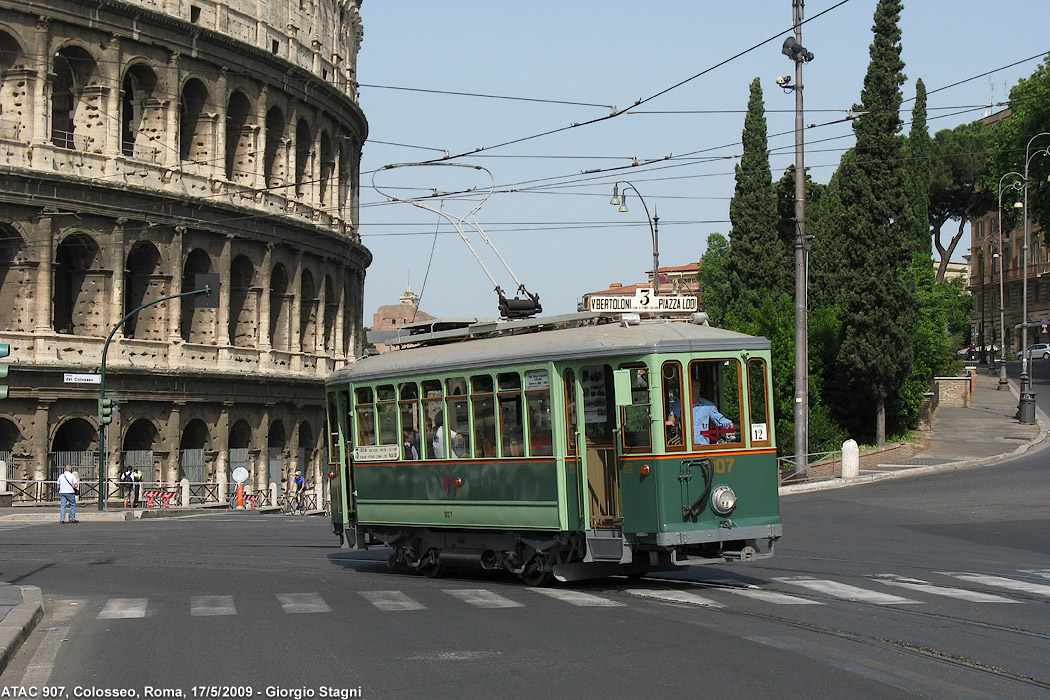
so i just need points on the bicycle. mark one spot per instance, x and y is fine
(291, 504)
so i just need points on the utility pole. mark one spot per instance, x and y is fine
(794, 50)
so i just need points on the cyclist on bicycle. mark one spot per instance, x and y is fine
(300, 490)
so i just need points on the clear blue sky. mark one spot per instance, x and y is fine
(554, 224)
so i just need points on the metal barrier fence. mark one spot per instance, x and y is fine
(46, 491)
(821, 466)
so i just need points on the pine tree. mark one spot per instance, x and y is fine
(919, 174)
(877, 300)
(756, 256)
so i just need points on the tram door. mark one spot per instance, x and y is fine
(599, 438)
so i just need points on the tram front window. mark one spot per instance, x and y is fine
(715, 400)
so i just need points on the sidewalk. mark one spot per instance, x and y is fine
(959, 437)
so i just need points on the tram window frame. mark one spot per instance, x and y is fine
(639, 373)
(333, 428)
(571, 427)
(764, 426)
(483, 414)
(431, 398)
(365, 416)
(511, 417)
(597, 383)
(716, 386)
(387, 415)
(459, 435)
(671, 393)
(411, 435)
(540, 393)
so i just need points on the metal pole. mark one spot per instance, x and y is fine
(656, 253)
(1002, 293)
(102, 491)
(1026, 408)
(801, 271)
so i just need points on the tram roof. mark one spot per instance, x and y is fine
(501, 347)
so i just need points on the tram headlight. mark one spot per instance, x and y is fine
(723, 500)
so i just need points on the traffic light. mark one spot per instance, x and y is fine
(5, 350)
(105, 410)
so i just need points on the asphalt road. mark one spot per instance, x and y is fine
(932, 586)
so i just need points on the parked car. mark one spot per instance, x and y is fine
(1038, 350)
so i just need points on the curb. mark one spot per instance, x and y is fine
(19, 622)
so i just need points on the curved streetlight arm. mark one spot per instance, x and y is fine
(653, 229)
(1017, 186)
(102, 495)
(1027, 398)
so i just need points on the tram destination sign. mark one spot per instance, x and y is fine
(644, 301)
(376, 453)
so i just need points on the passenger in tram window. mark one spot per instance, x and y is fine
(440, 438)
(410, 439)
(673, 411)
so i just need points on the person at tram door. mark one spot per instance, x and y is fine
(410, 439)
(708, 424)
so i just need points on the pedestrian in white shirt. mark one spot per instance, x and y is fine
(67, 494)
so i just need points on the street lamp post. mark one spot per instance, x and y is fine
(654, 223)
(1026, 408)
(1016, 185)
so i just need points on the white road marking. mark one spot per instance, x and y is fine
(1001, 582)
(1045, 573)
(673, 596)
(771, 596)
(205, 605)
(577, 598)
(66, 610)
(123, 608)
(391, 600)
(915, 584)
(38, 672)
(845, 591)
(480, 598)
(302, 603)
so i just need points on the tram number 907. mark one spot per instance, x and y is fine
(448, 515)
(723, 465)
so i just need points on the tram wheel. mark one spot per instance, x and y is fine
(534, 575)
(393, 561)
(432, 568)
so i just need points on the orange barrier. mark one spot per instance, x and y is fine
(162, 499)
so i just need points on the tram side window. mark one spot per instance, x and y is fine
(596, 410)
(636, 422)
(365, 412)
(333, 429)
(714, 389)
(483, 405)
(457, 414)
(570, 410)
(758, 402)
(511, 423)
(347, 426)
(408, 406)
(674, 425)
(386, 408)
(433, 420)
(538, 401)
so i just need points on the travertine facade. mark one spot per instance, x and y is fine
(143, 143)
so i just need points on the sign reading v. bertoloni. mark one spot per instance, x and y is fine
(375, 453)
(643, 300)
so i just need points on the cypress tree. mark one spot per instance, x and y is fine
(756, 258)
(919, 177)
(877, 302)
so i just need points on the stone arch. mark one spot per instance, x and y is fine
(303, 147)
(195, 435)
(327, 170)
(141, 435)
(192, 462)
(331, 313)
(14, 280)
(14, 79)
(275, 157)
(197, 325)
(240, 435)
(76, 108)
(194, 131)
(240, 140)
(9, 435)
(344, 175)
(79, 297)
(307, 313)
(307, 449)
(279, 311)
(141, 116)
(143, 284)
(276, 441)
(243, 303)
(75, 435)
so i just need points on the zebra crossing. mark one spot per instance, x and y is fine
(884, 589)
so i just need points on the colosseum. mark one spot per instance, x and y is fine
(144, 143)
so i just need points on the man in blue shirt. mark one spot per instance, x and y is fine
(708, 423)
(300, 487)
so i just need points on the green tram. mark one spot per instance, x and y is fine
(557, 447)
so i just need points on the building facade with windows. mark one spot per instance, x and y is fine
(145, 142)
